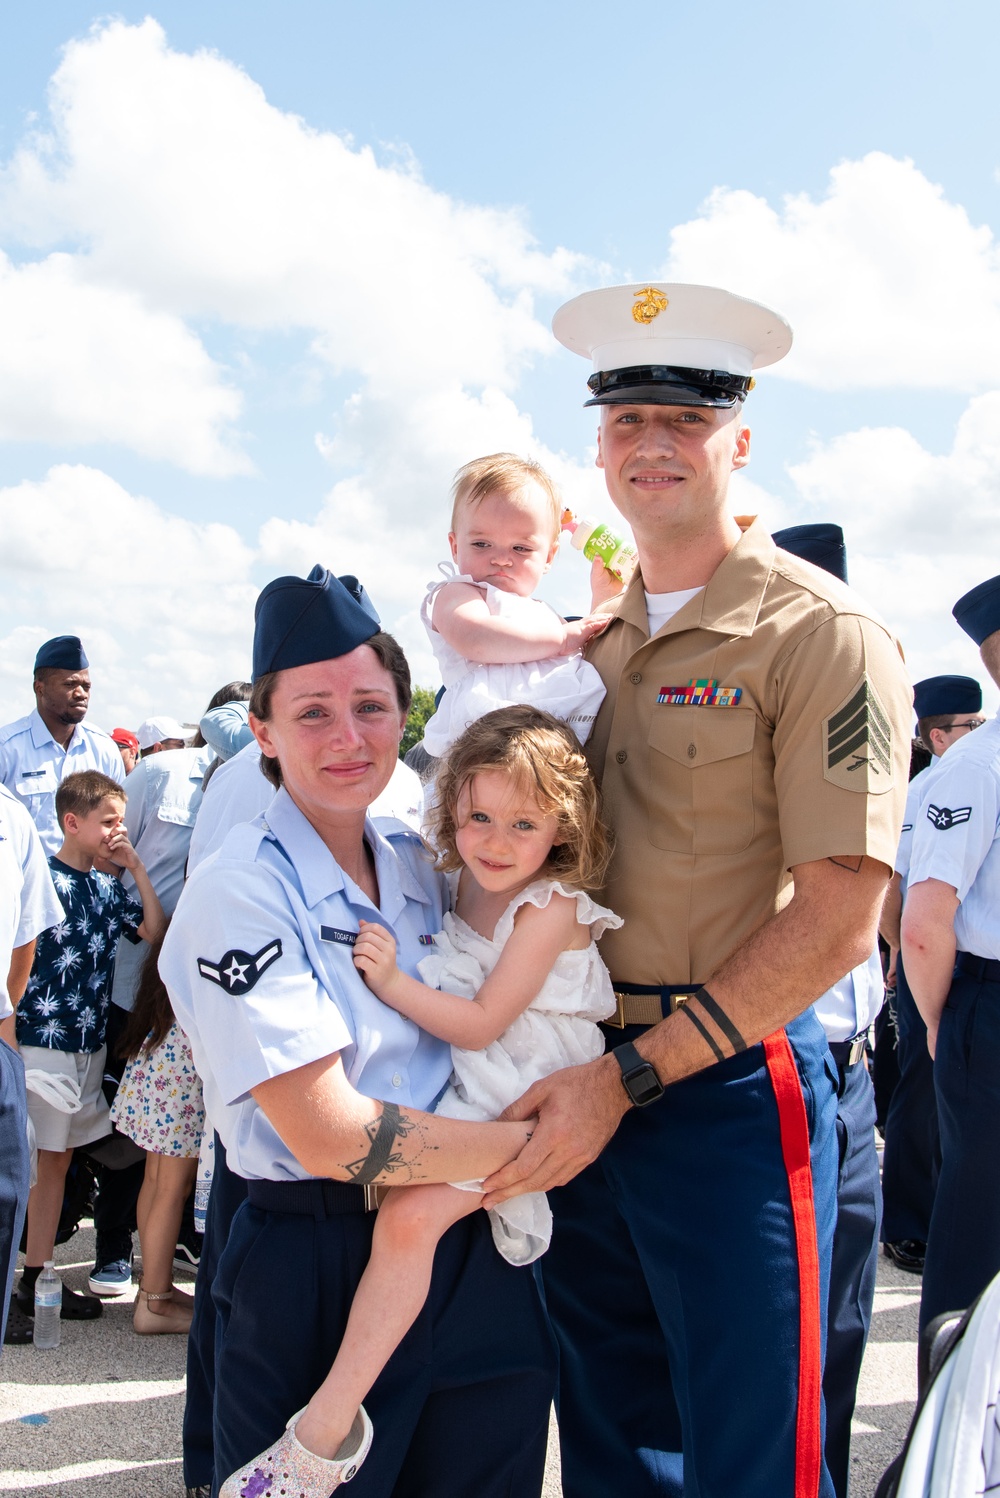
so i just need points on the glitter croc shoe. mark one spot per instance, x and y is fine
(288, 1470)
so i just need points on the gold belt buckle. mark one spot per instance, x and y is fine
(618, 1020)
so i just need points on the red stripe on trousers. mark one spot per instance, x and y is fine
(794, 1127)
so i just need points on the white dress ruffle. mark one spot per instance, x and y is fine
(565, 685)
(558, 1028)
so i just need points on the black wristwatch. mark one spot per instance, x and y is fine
(638, 1077)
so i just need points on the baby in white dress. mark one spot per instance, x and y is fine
(495, 643)
(519, 992)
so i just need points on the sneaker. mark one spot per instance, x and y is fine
(187, 1256)
(111, 1279)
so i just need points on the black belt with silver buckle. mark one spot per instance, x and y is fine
(317, 1198)
(847, 1053)
(648, 1003)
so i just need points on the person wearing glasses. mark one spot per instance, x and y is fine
(947, 709)
(951, 946)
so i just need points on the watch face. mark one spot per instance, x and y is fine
(643, 1085)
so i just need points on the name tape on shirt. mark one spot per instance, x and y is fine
(943, 817)
(702, 693)
(349, 938)
(333, 933)
(236, 971)
(857, 742)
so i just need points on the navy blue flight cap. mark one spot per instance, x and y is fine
(978, 611)
(937, 695)
(822, 544)
(64, 653)
(299, 620)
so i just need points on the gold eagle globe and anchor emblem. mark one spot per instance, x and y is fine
(649, 303)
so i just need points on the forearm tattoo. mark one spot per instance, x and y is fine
(382, 1157)
(704, 1032)
(719, 1018)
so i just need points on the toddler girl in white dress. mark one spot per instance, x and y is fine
(495, 643)
(519, 991)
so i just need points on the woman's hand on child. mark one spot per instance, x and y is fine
(375, 958)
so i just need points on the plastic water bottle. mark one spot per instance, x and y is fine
(48, 1307)
(595, 539)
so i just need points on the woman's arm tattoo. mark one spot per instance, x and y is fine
(382, 1157)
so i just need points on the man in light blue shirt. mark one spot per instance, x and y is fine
(28, 906)
(38, 751)
(951, 946)
(948, 708)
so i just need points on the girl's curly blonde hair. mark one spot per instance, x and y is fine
(543, 758)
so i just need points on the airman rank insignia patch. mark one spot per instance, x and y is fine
(237, 972)
(857, 743)
(943, 817)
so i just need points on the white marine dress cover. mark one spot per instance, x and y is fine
(558, 1028)
(565, 685)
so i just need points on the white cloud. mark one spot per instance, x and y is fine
(164, 606)
(921, 528)
(885, 282)
(186, 185)
(82, 363)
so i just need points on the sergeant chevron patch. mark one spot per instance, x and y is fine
(857, 743)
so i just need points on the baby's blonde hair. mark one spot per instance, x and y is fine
(506, 474)
(543, 758)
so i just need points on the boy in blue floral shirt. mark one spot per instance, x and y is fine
(62, 1018)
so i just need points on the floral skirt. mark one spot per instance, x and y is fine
(159, 1102)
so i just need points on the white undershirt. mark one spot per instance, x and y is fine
(660, 607)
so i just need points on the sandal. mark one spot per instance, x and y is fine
(152, 1323)
(288, 1468)
(20, 1327)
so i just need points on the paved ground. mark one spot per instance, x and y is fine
(100, 1416)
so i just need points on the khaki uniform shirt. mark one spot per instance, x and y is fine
(712, 804)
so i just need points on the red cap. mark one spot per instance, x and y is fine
(122, 736)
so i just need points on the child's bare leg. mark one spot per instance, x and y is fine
(45, 1204)
(390, 1294)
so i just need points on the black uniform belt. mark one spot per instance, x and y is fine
(648, 1003)
(847, 1053)
(317, 1198)
(987, 969)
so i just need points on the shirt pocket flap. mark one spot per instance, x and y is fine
(37, 782)
(177, 814)
(696, 736)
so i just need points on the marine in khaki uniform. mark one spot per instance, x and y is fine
(752, 750)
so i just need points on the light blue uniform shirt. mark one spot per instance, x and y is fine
(955, 837)
(850, 1006)
(164, 793)
(916, 795)
(29, 904)
(259, 966)
(32, 765)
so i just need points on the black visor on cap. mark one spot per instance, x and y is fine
(667, 385)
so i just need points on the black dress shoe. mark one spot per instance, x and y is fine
(204, 1491)
(907, 1253)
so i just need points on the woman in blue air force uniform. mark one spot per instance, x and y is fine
(319, 1091)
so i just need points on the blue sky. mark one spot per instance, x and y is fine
(838, 162)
